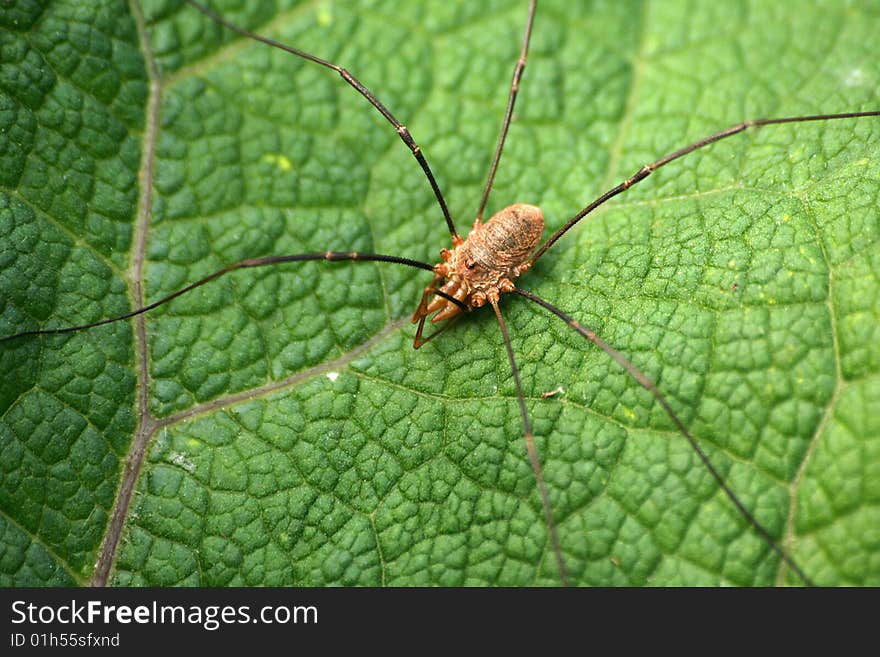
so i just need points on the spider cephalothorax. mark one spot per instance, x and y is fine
(482, 266)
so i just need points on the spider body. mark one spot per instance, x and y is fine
(481, 267)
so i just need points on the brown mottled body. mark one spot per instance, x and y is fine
(479, 268)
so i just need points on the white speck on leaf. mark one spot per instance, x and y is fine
(181, 461)
(854, 78)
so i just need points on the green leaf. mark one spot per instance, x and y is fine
(276, 426)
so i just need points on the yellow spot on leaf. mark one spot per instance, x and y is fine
(281, 161)
(325, 16)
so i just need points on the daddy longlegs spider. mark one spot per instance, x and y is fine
(480, 270)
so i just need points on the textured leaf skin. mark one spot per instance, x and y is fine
(743, 279)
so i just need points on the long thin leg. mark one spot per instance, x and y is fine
(649, 385)
(402, 131)
(421, 314)
(419, 341)
(533, 451)
(248, 263)
(429, 290)
(646, 170)
(511, 101)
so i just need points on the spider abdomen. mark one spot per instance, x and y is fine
(506, 240)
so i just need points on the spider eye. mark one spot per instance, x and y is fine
(470, 264)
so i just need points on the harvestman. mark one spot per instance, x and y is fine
(480, 268)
